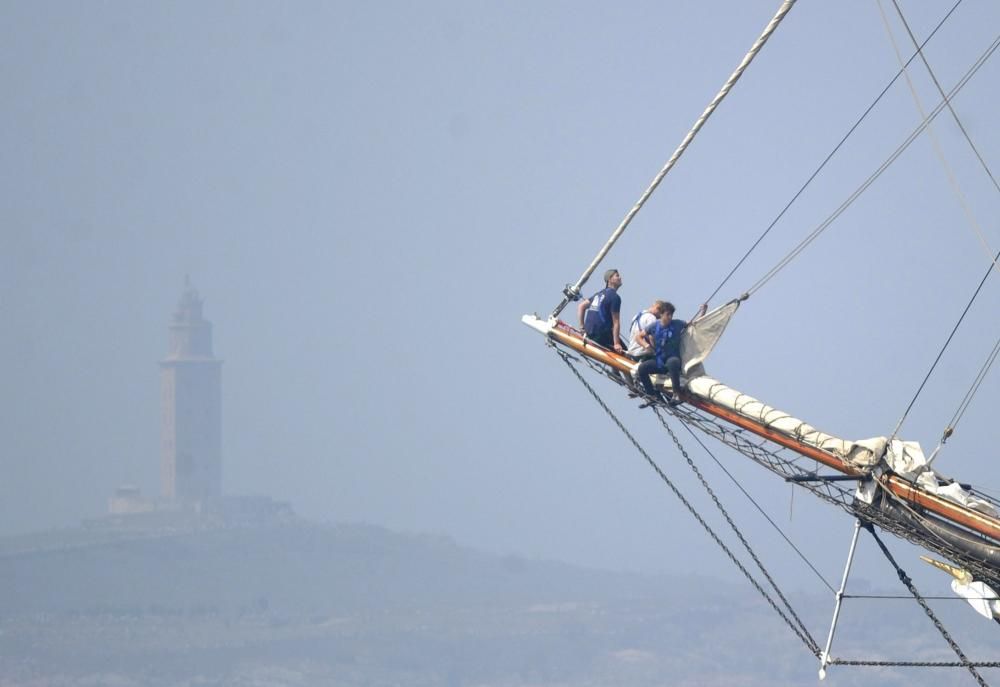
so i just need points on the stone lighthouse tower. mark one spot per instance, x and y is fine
(191, 391)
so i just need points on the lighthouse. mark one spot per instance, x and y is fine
(191, 392)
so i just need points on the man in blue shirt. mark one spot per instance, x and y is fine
(663, 336)
(600, 315)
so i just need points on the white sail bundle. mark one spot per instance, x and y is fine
(907, 460)
(863, 453)
(904, 458)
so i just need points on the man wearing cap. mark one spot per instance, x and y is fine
(600, 314)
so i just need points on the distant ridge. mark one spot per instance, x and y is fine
(293, 567)
(299, 603)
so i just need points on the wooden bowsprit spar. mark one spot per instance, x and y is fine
(974, 520)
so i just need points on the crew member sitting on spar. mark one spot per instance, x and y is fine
(636, 351)
(664, 337)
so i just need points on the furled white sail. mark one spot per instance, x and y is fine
(905, 458)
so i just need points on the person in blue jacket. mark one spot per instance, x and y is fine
(664, 337)
(600, 315)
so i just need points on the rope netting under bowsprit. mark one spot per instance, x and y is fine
(776, 458)
(788, 465)
(784, 462)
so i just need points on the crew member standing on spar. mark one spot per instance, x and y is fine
(600, 315)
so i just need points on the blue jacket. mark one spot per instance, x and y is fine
(666, 340)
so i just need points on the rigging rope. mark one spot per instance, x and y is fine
(917, 664)
(783, 462)
(965, 403)
(806, 639)
(954, 114)
(989, 271)
(898, 597)
(970, 394)
(687, 419)
(827, 491)
(833, 152)
(905, 579)
(938, 150)
(571, 293)
(758, 506)
(732, 525)
(877, 173)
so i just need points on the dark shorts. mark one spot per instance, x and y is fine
(603, 338)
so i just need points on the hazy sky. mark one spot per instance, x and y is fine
(370, 195)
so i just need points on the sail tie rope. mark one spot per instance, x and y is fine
(571, 293)
(806, 639)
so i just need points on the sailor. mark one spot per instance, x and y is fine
(664, 337)
(644, 318)
(600, 314)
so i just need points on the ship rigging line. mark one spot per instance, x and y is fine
(871, 517)
(970, 394)
(877, 173)
(937, 84)
(989, 271)
(799, 630)
(750, 499)
(935, 143)
(833, 152)
(965, 402)
(905, 579)
(572, 293)
(732, 525)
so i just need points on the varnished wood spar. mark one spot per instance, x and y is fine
(732, 417)
(567, 335)
(978, 522)
(974, 520)
(953, 512)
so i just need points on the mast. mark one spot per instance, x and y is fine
(572, 293)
